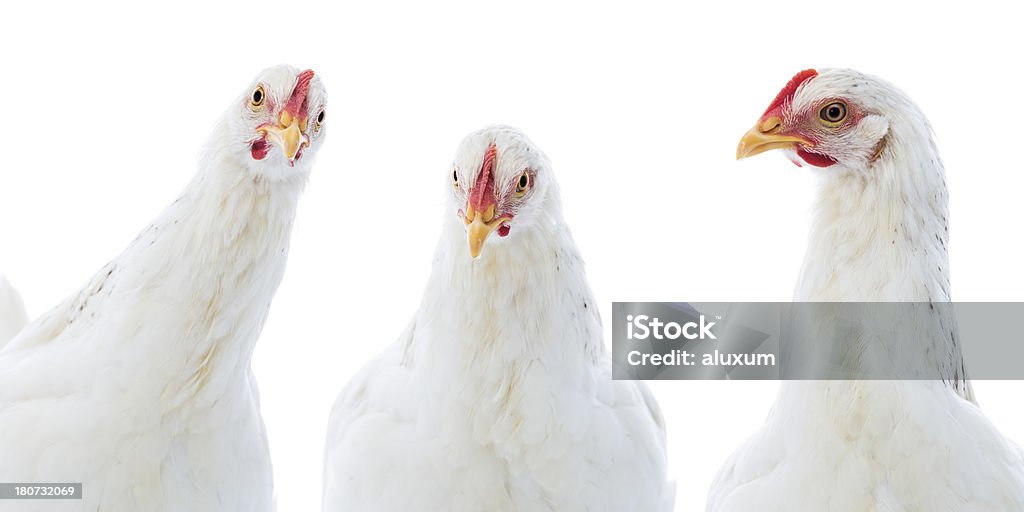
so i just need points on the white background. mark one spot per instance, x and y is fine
(640, 108)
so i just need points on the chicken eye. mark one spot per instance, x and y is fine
(320, 119)
(256, 100)
(833, 113)
(523, 183)
(455, 178)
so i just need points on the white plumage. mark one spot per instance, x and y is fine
(139, 384)
(12, 312)
(498, 395)
(879, 234)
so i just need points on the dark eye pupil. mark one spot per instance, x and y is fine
(455, 176)
(523, 181)
(834, 112)
(257, 96)
(320, 118)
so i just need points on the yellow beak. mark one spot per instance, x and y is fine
(764, 136)
(288, 134)
(479, 226)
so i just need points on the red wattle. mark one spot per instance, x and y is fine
(503, 230)
(815, 159)
(259, 149)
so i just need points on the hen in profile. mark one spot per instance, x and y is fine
(139, 384)
(498, 396)
(879, 234)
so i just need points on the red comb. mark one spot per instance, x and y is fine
(787, 92)
(484, 188)
(299, 93)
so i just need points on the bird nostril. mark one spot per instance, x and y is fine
(769, 125)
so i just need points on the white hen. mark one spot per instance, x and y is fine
(879, 234)
(139, 384)
(12, 312)
(498, 396)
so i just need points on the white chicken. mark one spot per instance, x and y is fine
(139, 384)
(12, 312)
(498, 396)
(880, 234)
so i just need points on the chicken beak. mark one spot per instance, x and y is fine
(765, 136)
(479, 226)
(288, 134)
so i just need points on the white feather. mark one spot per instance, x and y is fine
(12, 312)
(498, 395)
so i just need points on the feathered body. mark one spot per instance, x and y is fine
(498, 396)
(880, 234)
(12, 312)
(139, 385)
